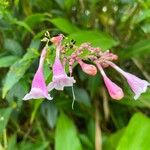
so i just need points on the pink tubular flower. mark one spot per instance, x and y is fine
(137, 85)
(114, 90)
(60, 78)
(88, 68)
(38, 88)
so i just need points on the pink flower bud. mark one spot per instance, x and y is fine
(114, 90)
(88, 68)
(57, 39)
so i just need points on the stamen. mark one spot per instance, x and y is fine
(74, 98)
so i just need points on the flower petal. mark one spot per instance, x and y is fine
(88, 68)
(137, 85)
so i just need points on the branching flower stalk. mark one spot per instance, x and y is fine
(69, 55)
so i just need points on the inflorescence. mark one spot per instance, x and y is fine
(60, 79)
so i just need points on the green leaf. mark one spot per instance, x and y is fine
(136, 135)
(69, 4)
(65, 4)
(64, 25)
(13, 46)
(23, 24)
(7, 61)
(86, 141)
(146, 28)
(82, 96)
(60, 3)
(144, 101)
(96, 38)
(12, 143)
(111, 141)
(66, 135)
(144, 14)
(4, 117)
(140, 48)
(18, 69)
(49, 112)
(35, 19)
(37, 146)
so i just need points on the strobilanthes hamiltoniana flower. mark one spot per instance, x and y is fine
(60, 78)
(38, 88)
(95, 55)
(137, 85)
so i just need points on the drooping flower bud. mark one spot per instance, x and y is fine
(114, 90)
(57, 39)
(88, 68)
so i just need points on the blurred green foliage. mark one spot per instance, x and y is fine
(97, 122)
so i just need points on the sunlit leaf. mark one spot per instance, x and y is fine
(64, 25)
(136, 135)
(66, 130)
(96, 38)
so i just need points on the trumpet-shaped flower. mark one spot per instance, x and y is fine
(114, 90)
(60, 78)
(88, 68)
(38, 88)
(137, 85)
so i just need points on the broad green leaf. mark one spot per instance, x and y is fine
(96, 38)
(136, 135)
(66, 135)
(138, 49)
(13, 46)
(18, 69)
(4, 117)
(49, 112)
(64, 25)
(7, 61)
